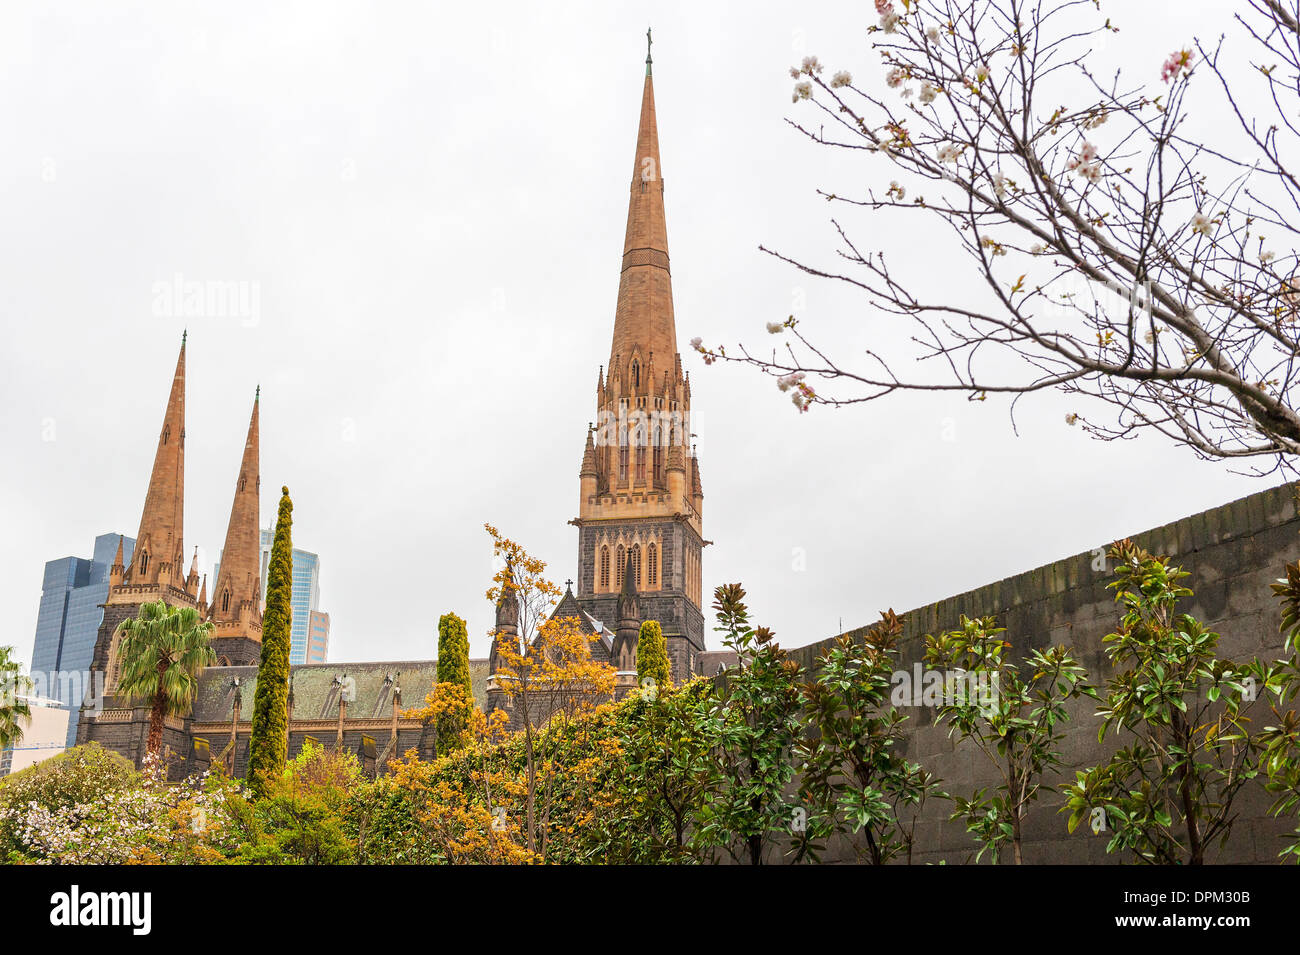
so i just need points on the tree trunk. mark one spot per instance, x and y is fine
(1016, 791)
(1195, 849)
(531, 793)
(159, 712)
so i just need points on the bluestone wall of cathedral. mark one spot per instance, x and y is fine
(681, 620)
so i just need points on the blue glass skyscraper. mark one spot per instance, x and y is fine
(69, 619)
(309, 629)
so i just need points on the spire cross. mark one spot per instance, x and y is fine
(648, 43)
(568, 583)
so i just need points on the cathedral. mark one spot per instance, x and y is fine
(640, 546)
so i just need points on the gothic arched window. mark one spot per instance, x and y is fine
(144, 562)
(636, 566)
(604, 568)
(225, 600)
(115, 662)
(652, 566)
(618, 569)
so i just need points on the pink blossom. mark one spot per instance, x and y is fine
(1175, 63)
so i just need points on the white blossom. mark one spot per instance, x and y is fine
(775, 328)
(842, 78)
(928, 92)
(787, 382)
(948, 153)
(801, 91)
(1202, 223)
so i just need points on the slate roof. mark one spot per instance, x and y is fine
(316, 690)
(713, 662)
(569, 607)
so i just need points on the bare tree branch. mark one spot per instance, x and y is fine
(1125, 262)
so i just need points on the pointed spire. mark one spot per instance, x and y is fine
(235, 599)
(676, 457)
(203, 592)
(589, 456)
(623, 650)
(158, 545)
(644, 314)
(629, 583)
(506, 631)
(117, 568)
(192, 579)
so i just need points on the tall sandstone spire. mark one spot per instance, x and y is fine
(643, 318)
(640, 510)
(236, 599)
(157, 565)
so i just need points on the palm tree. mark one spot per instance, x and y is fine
(163, 651)
(12, 706)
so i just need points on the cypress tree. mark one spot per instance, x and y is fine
(268, 747)
(453, 651)
(453, 667)
(652, 656)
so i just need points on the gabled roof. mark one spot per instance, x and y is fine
(569, 607)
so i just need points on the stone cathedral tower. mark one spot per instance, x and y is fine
(640, 525)
(156, 571)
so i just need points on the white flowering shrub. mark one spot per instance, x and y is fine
(90, 806)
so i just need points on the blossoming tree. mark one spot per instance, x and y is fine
(1130, 261)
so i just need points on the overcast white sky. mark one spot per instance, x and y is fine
(430, 200)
